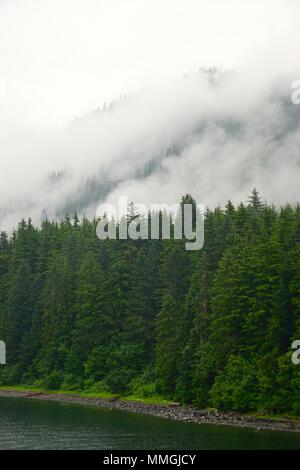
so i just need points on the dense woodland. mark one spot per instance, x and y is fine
(212, 327)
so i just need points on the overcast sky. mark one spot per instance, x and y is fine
(61, 59)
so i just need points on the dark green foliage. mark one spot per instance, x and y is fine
(212, 327)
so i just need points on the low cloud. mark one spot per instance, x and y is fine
(211, 133)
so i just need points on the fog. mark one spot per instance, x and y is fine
(170, 125)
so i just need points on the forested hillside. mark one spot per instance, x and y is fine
(212, 327)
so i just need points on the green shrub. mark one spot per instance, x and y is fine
(11, 375)
(237, 387)
(53, 381)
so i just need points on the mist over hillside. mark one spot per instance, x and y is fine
(213, 134)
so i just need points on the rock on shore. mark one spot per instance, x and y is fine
(178, 413)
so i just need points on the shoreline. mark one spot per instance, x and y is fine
(170, 411)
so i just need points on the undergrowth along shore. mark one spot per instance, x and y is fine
(158, 407)
(155, 400)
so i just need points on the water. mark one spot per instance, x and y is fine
(30, 424)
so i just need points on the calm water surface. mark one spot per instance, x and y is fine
(30, 424)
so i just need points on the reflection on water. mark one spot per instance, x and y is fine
(30, 424)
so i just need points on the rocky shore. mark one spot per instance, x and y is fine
(174, 412)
